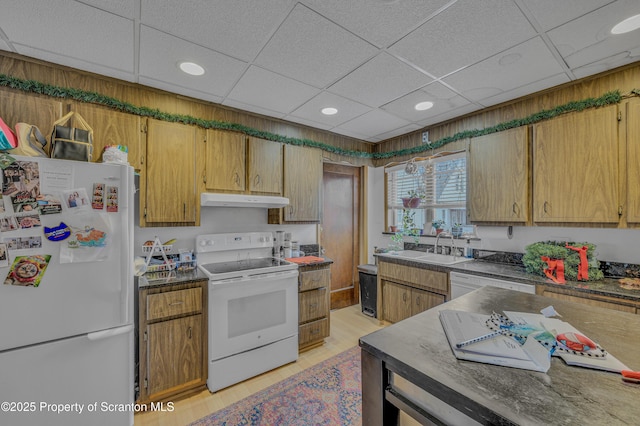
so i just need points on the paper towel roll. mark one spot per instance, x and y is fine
(494, 232)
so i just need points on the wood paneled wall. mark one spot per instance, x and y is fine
(31, 69)
(623, 79)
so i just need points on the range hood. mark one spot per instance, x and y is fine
(210, 199)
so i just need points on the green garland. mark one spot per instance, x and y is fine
(96, 98)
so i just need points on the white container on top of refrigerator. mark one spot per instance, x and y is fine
(66, 345)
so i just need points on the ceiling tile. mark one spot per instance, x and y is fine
(160, 54)
(536, 86)
(125, 8)
(347, 109)
(464, 34)
(589, 38)
(270, 91)
(312, 49)
(69, 33)
(238, 28)
(605, 64)
(443, 98)
(382, 79)
(529, 62)
(466, 109)
(373, 123)
(380, 22)
(552, 13)
(399, 131)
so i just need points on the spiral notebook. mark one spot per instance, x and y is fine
(470, 339)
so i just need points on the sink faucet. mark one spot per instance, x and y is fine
(454, 249)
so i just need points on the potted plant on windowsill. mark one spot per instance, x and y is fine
(456, 230)
(413, 199)
(409, 228)
(438, 225)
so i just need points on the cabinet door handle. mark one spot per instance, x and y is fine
(544, 207)
(404, 297)
(418, 300)
(184, 210)
(313, 306)
(256, 180)
(514, 208)
(190, 332)
(178, 302)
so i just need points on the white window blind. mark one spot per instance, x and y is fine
(442, 182)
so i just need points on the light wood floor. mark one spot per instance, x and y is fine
(347, 326)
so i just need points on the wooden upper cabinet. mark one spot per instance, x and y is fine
(302, 184)
(498, 177)
(265, 162)
(114, 128)
(17, 107)
(575, 168)
(633, 160)
(170, 181)
(225, 161)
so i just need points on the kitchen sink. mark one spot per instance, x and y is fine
(421, 256)
(441, 259)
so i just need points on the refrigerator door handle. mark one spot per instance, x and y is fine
(105, 334)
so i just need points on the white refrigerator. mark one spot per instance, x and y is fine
(66, 300)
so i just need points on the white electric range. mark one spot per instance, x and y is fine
(253, 306)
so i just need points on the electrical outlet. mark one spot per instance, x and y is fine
(425, 138)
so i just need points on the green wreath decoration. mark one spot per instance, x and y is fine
(556, 250)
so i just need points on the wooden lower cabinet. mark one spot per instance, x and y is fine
(400, 301)
(172, 341)
(600, 301)
(313, 306)
(408, 290)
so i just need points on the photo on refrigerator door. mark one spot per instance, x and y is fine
(21, 179)
(27, 270)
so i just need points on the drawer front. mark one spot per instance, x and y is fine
(314, 279)
(418, 277)
(171, 303)
(312, 305)
(313, 331)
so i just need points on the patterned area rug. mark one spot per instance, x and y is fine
(326, 394)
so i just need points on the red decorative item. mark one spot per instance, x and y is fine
(554, 265)
(583, 268)
(576, 342)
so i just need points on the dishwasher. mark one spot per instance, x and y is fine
(465, 283)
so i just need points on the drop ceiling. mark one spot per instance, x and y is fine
(373, 60)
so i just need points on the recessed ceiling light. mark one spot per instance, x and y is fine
(629, 24)
(329, 111)
(423, 106)
(191, 68)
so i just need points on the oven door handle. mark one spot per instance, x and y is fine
(270, 275)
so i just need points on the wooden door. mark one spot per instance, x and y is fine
(422, 300)
(265, 166)
(170, 184)
(174, 351)
(575, 168)
(396, 301)
(302, 183)
(498, 177)
(633, 160)
(225, 161)
(340, 231)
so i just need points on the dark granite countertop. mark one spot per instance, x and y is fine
(418, 350)
(324, 262)
(512, 272)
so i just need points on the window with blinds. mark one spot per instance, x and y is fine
(442, 182)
